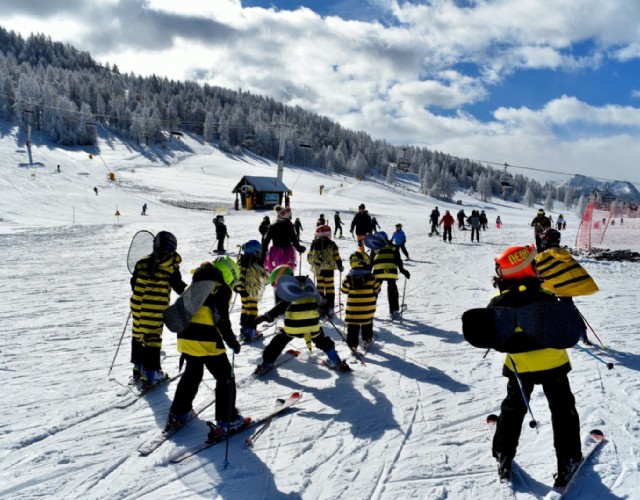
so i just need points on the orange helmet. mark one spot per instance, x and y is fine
(517, 262)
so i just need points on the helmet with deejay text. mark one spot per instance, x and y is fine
(517, 262)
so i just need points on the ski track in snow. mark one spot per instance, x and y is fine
(409, 424)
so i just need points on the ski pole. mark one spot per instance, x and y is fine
(533, 423)
(403, 306)
(584, 349)
(592, 330)
(119, 343)
(354, 351)
(232, 387)
(340, 294)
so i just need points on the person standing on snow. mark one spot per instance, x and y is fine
(263, 229)
(321, 221)
(284, 242)
(560, 222)
(447, 222)
(362, 225)
(474, 222)
(498, 222)
(433, 218)
(561, 273)
(154, 276)
(519, 285)
(338, 225)
(202, 344)
(374, 224)
(483, 220)
(539, 223)
(297, 227)
(253, 279)
(398, 238)
(362, 290)
(144, 209)
(324, 259)
(386, 265)
(221, 233)
(299, 301)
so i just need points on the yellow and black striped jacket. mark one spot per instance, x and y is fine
(151, 284)
(563, 275)
(386, 263)
(362, 290)
(210, 325)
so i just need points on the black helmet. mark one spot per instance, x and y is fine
(165, 242)
(550, 238)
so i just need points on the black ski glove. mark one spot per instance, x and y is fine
(235, 346)
(406, 274)
(263, 318)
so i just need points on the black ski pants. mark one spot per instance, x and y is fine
(354, 331)
(564, 418)
(476, 231)
(392, 294)
(187, 389)
(280, 341)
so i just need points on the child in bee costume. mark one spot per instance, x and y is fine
(253, 279)
(299, 301)
(362, 291)
(202, 344)
(386, 265)
(561, 273)
(324, 258)
(153, 278)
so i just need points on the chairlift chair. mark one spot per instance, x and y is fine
(504, 179)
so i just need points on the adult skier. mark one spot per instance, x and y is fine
(446, 222)
(362, 225)
(539, 223)
(337, 225)
(263, 228)
(433, 218)
(283, 240)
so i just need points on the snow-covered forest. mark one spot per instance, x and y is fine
(63, 93)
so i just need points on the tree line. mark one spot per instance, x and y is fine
(66, 95)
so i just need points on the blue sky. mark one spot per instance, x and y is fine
(546, 84)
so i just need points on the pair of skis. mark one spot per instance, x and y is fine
(594, 440)
(261, 424)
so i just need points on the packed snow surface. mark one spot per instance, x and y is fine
(408, 424)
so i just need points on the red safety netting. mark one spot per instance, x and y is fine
(613, 227)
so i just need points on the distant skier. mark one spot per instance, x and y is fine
(58, 169)
(263, 229)
(221, 233)
(539, 223)
(560, 222)
(362, 225)
(144, 209)
(338, 225)
(498, 222)
(446, 222)
(153, 278)
(374, 224)
(95, 190)
(399, 238)
(283, 240)
(433, 218)
(474, 223)
(483, 220)
(297, 227)
(321, 221)
(461, 218)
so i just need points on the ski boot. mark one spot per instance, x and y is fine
(263, 368)
(175, 422)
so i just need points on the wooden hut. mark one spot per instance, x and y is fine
(261, 192)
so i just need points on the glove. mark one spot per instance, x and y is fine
(235, 347)
(341, 269)
(303, 249)
(263, 318)
(406, 274)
